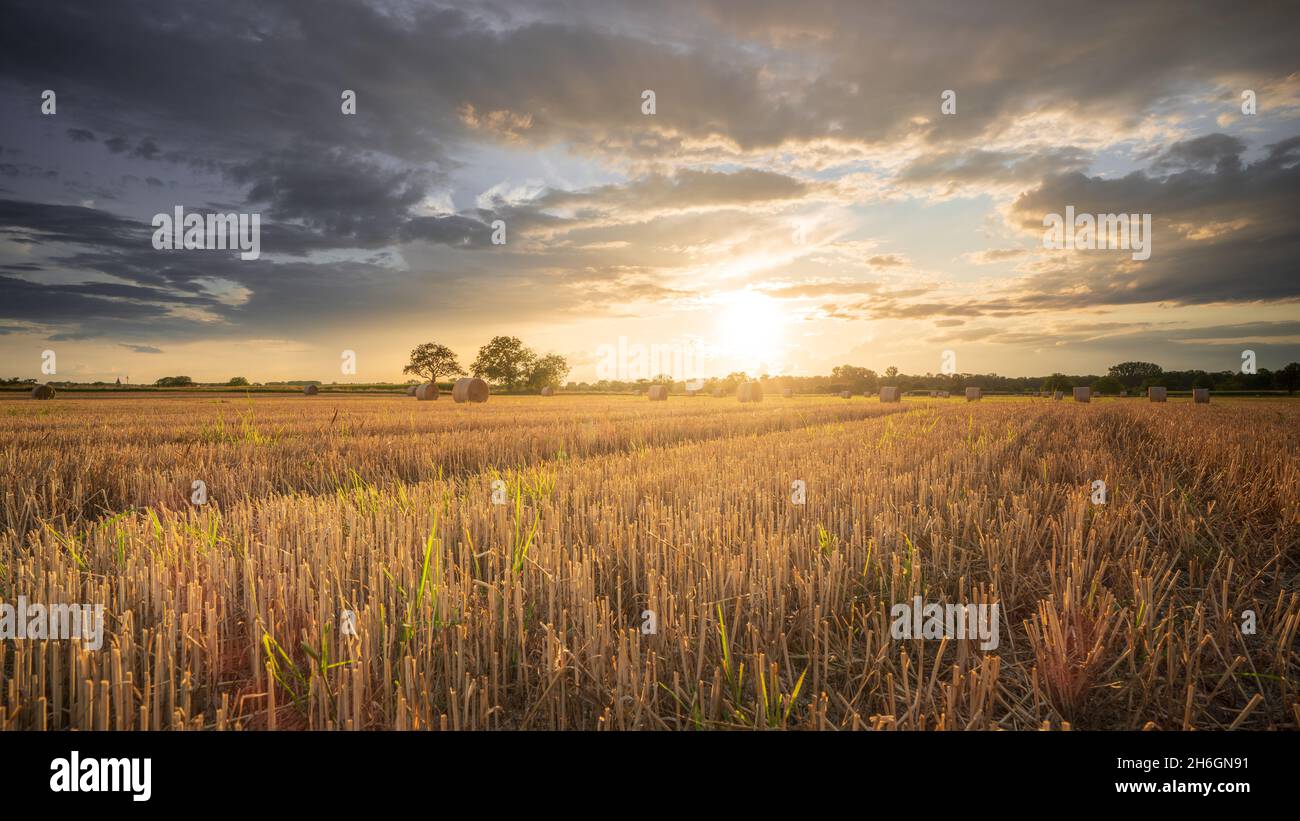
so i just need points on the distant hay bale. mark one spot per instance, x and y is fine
(427, 392)
(692, 391)
(1123, 393)
(548, 391)
(845, 395)
(43, 392)
(1201, 396)
(310, 390)
(972, 394)
(889, 393)
(717, 393)
(469, 389)
(1157, 394)
(787, 393)
(411, 390)
(658, 393)
(1058, 395)
(1082, 394)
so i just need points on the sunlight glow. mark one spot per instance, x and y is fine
(751, 329)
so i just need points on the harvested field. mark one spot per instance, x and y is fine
(475, 615)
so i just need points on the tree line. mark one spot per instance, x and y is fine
(509, 364)
(1125, 376)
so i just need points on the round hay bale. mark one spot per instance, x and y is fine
(411, 390)
(1082, 394)
(890, 393)
(1156, 394)
(310, 390)
(1201, 396)
(470, 389)
(658, 393)
(787, 393)
(42, 392)
(548, 391)
(717, 393)
(428, 392)
(846, 395)
(1058, 394)
(973, 394)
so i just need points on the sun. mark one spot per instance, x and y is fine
(751, 328)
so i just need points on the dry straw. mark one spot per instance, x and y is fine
(427, 392)
(469, 389)
(475, 616)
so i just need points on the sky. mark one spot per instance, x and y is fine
(818, 183)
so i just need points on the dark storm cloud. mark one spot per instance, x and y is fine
(81, 135)
(41, 223)
(1213, 152)
(1223, 231)
(338, 195)
(449, 229)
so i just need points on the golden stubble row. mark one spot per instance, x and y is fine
(83, 458)
(769, 614)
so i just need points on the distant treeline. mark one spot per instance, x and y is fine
(1126, 376)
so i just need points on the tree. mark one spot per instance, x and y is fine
(238, 381)
(1058, 382)
(505, 360)
(432, 360)
(1132, 374)
(891, 372)
(858, 379)
(548, 372)
(174, 382)
(1288, 378)
(1108, 385)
